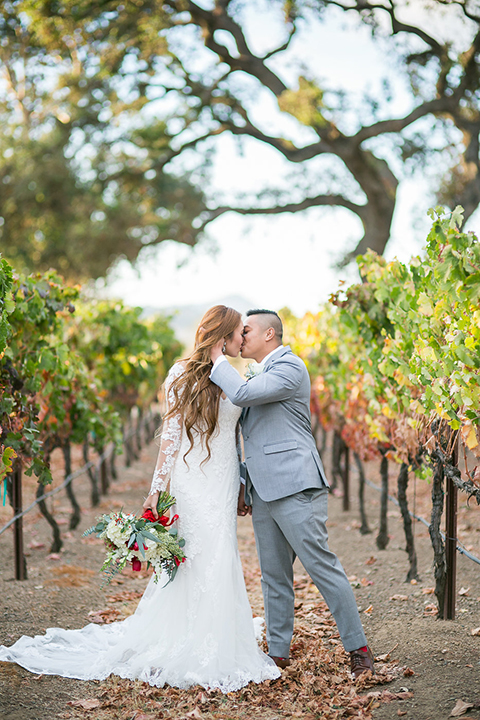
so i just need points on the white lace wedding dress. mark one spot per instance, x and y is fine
(199, 628)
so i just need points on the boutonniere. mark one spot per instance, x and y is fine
(253, 369)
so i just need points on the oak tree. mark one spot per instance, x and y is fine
(127, 102)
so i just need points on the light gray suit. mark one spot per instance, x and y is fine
(288, 489)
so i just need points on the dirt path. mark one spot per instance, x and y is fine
(429, 664)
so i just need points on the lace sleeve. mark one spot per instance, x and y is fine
(170, 439)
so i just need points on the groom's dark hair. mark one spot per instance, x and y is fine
(274, 321)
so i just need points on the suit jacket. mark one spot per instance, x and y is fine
(281, 456)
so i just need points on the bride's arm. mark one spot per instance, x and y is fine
(169, 446)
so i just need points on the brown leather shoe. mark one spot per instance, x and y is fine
(280, 662)
(361, 661)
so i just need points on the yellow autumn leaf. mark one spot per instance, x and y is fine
(469, 435)
(441, 411)
(388, 412)
(427, 353)
(126, 369)
(424, 305)
(417, 407)
(402, 379)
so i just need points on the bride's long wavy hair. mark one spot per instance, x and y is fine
(195, 396)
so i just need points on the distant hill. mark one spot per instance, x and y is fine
(186, 318)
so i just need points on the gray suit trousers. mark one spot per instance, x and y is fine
(296, 526)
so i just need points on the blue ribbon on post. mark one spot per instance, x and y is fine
(4, 489)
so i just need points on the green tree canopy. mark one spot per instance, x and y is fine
(111, 112)
(81, 166)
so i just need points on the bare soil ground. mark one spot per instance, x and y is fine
(424, 665)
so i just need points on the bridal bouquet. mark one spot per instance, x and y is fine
(131, 539)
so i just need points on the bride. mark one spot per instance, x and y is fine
(199, 628)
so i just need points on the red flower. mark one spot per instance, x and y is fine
(136, 565)
(163, 520)
(177, 561)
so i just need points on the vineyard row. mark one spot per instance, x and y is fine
(395, 367)
(73, 371)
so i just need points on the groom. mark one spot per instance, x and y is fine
(286, 487)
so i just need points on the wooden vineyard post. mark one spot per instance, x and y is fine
(346, 478)
(104, 483)
(19, 557)
(451, 541)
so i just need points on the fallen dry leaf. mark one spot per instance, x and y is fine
(369, 609)
(464, 591)
(408, 672)
(386, 656)
(125, 596)
(475, 631)
(85, 704)
(398, 597)
(371, 560)
(202, 698)
(194, 714)
(430, 609)
(107, 616)
(461, 708)
(428, 591)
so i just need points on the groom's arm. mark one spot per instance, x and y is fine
(280, 382)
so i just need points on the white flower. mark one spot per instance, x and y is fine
(253, 369)
(114, 533)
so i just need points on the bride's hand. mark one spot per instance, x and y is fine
(242, 508)
(217, 350)
(151, 504)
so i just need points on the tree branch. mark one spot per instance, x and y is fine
(286, 147)
(168, 156)
(212, 20)
(320, 200)
(397, 26)
(394, 125)
(282, 47)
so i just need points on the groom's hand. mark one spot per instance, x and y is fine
(242, 508)
(216, 350)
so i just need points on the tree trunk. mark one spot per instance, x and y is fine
(364, 529)
(14, 491)
(382, 537)
(92, 474)
(103, 472)
(112, 464)
(336, 455)
(75, 517)
(380, 186)
(57, 540)
(439, 561)
(402, 484)
(138, 430)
